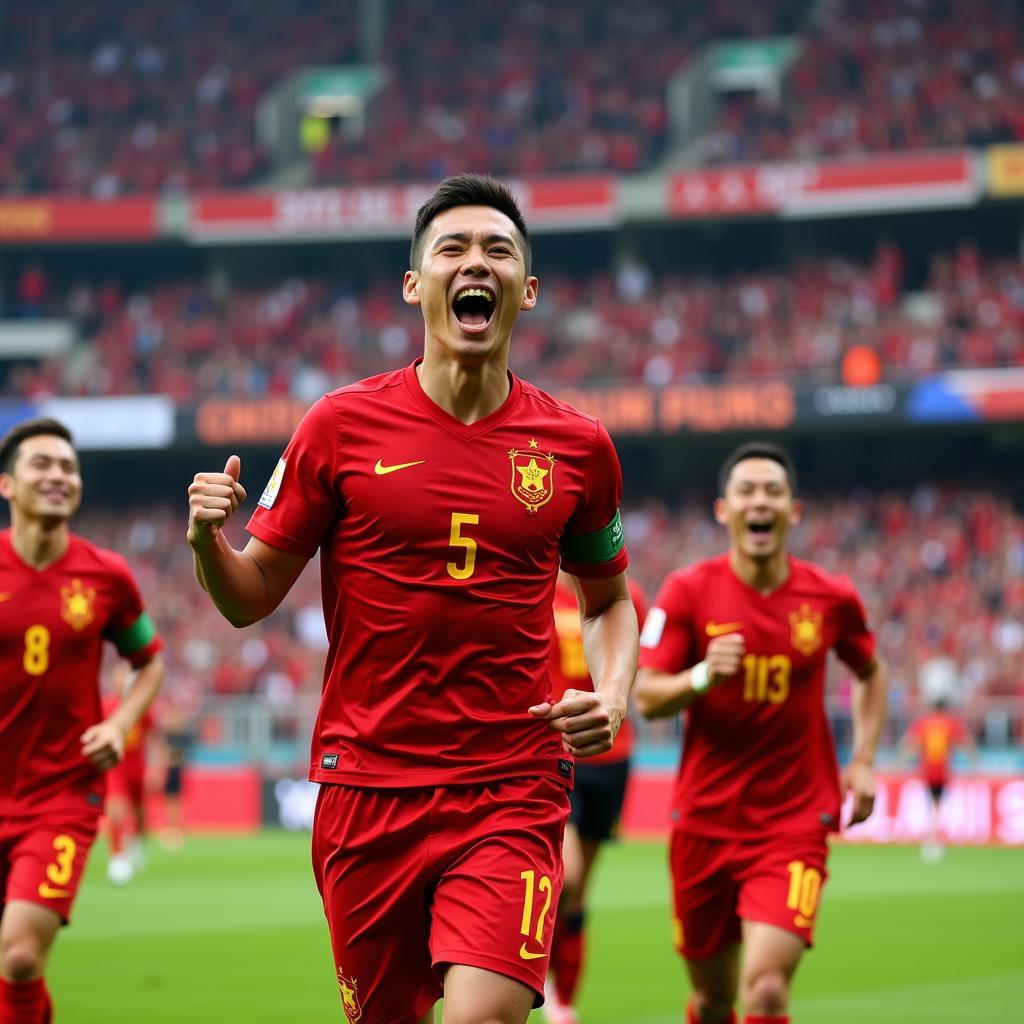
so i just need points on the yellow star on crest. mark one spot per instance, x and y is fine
(533, 442)
(533, 476)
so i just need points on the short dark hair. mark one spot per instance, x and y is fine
(12, 440)
(469, 190)
(757, 450)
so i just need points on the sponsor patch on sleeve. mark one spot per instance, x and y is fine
(269, 495)
(654, 626)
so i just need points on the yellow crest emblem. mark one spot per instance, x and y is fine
(76, 605)
(805, 626)
(349, 997)
(533, 477)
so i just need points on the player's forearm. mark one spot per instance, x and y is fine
(234, 581)
(611, 644)
(870, 703)
(145, 686)
(662, 694)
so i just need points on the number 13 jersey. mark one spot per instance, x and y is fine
(439, 547)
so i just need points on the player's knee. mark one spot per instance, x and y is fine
(22, 960)
(767, 992)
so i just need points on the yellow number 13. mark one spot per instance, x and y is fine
(456, 540)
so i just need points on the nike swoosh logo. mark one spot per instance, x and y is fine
(49, 893)
(720, 628)
(803, 922)
(382, 470)
(527, 955)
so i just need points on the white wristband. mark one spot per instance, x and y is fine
(700, 678)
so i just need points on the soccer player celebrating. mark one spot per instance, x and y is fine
(933, 737)
(443, 497)
(740, 642)
(61, 597)
(596, 805)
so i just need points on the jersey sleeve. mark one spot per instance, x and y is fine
(593, 545)
(130, 629)
(855, 643)
(300, 500)
(666, 641)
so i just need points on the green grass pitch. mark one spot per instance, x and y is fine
(230, 929)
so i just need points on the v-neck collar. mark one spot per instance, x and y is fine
(8, 536)
(451, 423)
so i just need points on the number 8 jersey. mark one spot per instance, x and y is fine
(758, 754)
(439, 545)
(53, 623)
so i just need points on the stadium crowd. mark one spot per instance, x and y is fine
(307, 336)
(110, 97)
(940, 569)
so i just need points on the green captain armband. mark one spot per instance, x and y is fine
(138, 635)
(597, 547)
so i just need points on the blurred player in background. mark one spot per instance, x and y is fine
(596, 805)
(126, 789)
(740, 643)
(177, 737)
(933, 738)
(443, 496)
(60, 598)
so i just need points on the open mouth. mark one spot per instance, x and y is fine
(474, 307)
(760, 529)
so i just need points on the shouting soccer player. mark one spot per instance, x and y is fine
(60, 598)
(740, 642)
(443, 497)
(596, 805)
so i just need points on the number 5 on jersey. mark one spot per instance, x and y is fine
(457, 540)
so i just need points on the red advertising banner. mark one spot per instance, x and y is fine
(976, 809)
(46, 219)
(383, 209)
(901, 181)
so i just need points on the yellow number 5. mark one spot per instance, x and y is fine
(37, 650)
(456, 540)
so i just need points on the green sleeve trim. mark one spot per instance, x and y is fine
(138, 635)
(594, 548)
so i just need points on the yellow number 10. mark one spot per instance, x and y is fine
(804, 888)
(456, 540)
(37, 650)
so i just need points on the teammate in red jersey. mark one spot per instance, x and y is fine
(596, 805)
(443, 498)
(934, 737)
(126, 790)
(61, 597)
(740, 642)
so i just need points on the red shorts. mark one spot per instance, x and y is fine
(719, 883)
(42, 856)
(127, 780)
(413, 880)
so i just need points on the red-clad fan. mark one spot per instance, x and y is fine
(62, 598)
(740, 643)
(596, 803)
(443, 498)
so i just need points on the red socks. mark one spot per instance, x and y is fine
(24, 1002)
(766, 1018)
(567, 951)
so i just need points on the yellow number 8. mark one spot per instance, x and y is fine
(37, 650)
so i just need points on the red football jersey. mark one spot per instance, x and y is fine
(937, 734)
(568, 665)
(52, 627)
(440, 543)
(758, 754)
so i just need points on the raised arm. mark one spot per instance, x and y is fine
(245, 585)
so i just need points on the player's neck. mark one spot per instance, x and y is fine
(763, 576)
(469, 393)
(37, 543)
